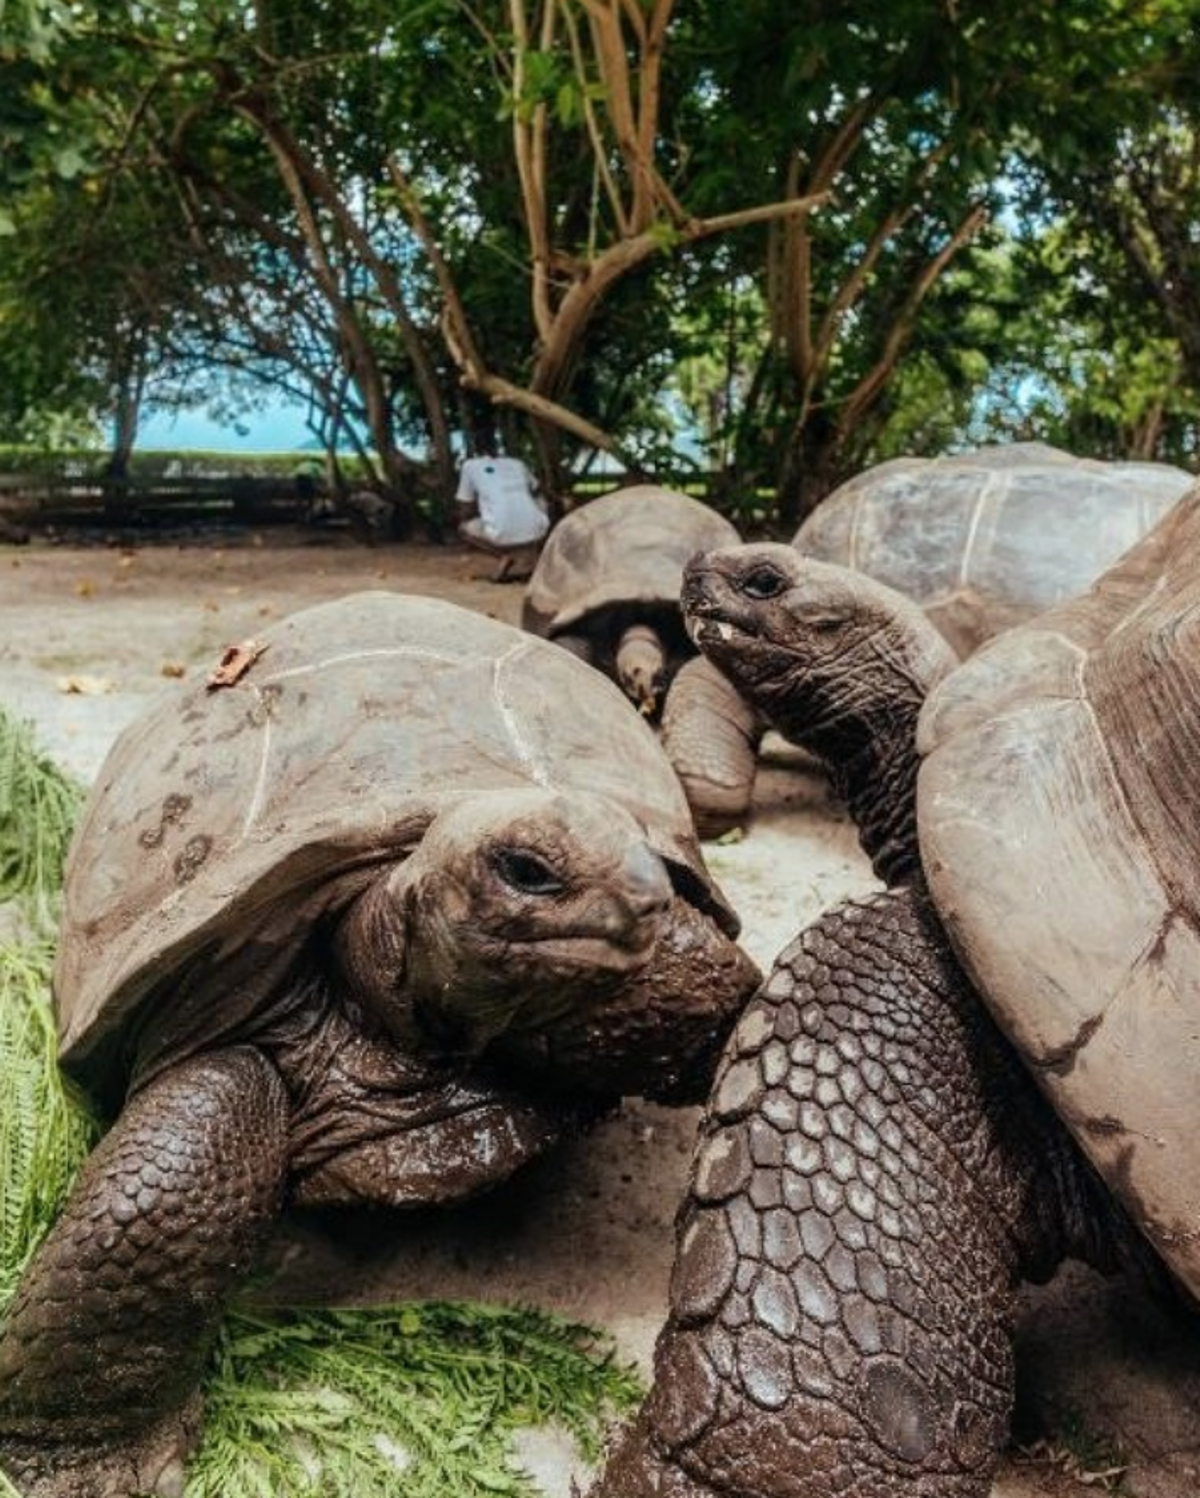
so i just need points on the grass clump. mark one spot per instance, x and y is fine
(39, 805)
(45, 1128)
(415, 1401)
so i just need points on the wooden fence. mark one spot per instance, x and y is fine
(142, 500)
(146, 501)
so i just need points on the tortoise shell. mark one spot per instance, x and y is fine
(240, 810)
(627, 547)
(1059, 814)
(987, 539)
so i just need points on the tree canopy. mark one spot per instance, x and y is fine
(777, 239)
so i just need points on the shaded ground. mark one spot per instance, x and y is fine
(87, 633)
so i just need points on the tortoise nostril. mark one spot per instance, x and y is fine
(646, 881)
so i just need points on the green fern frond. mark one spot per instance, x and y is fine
(45, 1128)
(415, 1401)
(39, 805)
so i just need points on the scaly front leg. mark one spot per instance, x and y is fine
(103, 1349)
(870, 1183)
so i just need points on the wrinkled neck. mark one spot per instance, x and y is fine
(870, 743)
(878, 783)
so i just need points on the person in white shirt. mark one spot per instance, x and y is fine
(498, 510)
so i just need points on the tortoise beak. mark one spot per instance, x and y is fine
(704, 618)
(695, 596)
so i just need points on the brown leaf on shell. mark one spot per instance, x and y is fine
(235, 662)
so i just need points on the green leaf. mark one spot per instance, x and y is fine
(69, 162)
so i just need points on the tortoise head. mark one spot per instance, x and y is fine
(516, 907)
(820, 650)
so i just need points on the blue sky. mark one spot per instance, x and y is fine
(274, 427)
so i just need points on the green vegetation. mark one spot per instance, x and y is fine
(407, 1402)
(45, 1129)
(802, 236)
(418, 1401)
(38, 808)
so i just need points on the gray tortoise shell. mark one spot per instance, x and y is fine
(626, 547)
(984, 540)
(222, 812)
(1059, 815)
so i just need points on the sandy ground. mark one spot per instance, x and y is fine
(89, 632)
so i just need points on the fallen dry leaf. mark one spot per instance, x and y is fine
(1060, 1457)
(86, 686)
(235, 662)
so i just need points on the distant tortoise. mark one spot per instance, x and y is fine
(885, 1156)
(411, 898)
(606, 587)
(985, 540)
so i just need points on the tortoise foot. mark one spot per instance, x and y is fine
(633, 1470)
(150, 1465)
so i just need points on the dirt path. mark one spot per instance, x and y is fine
(87, 633)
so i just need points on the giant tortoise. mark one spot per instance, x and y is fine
(987, 539)
(606, 587)
(406, 899)
(952, 1085)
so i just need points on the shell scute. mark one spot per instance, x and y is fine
(627, 547)
(988, 539)
(1058, 815)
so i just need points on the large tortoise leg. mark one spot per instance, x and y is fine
(874, 1175)
(711, 736)
(104, 1346)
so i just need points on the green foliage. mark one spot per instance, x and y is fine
(45, 1128)
(1087, 1457)
(66, 463)
(38, 808)
(417, 1401)
(154, 234)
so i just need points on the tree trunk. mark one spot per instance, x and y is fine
(808, 470)
(130, 381)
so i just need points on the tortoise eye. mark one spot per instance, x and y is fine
(763, 582)
(526, 872)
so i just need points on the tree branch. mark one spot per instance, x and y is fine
(580, 302)
(903, 323)
(529, 150)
